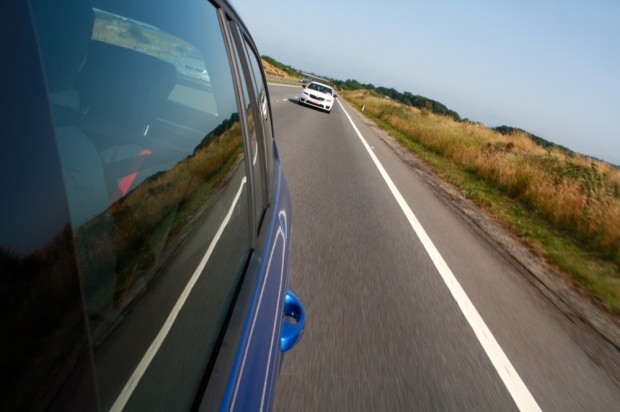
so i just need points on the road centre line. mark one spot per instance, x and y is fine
(511, 379)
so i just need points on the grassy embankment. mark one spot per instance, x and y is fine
(564, 206)
(273, 67)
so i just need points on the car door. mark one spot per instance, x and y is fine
(146, 230)
(263, 333)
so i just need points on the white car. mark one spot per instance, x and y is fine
(318, 95)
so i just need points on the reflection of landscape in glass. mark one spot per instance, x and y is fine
(148, 39)
(115, 249)
(150, 220)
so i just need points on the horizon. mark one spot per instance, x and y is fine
(520, 65)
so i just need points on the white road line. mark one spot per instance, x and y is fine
(255, 153)
(517, 389)
(148, 356)
(284, 85)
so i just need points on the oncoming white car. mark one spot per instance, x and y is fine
(318, 95)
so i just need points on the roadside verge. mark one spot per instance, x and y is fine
(591, 327)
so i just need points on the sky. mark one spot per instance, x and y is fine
(551, 67)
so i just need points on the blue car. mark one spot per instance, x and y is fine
(146, 222)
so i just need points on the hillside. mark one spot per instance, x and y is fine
(274, 68)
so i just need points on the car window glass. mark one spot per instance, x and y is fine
(150, 142)
(261, 94)
(256, 157)
(261, 89)
(44, 338)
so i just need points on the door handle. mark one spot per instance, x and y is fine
(294, 321)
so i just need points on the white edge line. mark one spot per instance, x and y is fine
(516, 387)
(148, 356)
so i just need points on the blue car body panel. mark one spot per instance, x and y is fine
(258, 358)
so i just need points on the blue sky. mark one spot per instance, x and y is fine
(551, 67)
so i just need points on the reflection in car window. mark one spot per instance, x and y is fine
(262, 102)
(151, 147)
(257, 159)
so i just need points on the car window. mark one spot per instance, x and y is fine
(320, 88)
(150, 141)
(255, 141)
(262, 101)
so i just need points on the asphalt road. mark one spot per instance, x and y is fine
(388, 327)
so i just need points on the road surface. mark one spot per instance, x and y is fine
(408, 307)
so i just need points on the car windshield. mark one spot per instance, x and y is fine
(320, 88)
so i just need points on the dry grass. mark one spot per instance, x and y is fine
(577, 195)
(178, 193)
(272, 70)
(133, 232)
